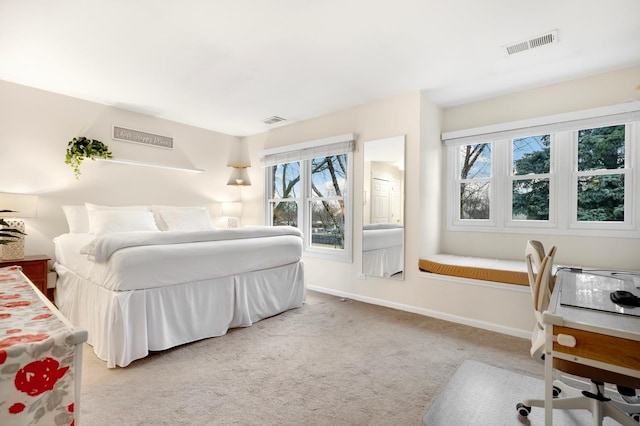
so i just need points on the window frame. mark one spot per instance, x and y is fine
(553, 194)
(454, 186)
(304, 202)
(631, 139)
(563, 175)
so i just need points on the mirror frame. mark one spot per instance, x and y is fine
(383, 248)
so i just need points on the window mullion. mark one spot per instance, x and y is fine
(304, 204)
(499, 184)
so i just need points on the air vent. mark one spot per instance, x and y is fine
(272, 120)
(532, 43)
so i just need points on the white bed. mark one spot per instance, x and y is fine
(137, 291)
(382, 249)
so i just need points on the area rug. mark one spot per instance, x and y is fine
(480, 394)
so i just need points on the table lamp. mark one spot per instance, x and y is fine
(13, 208)
(232, 211)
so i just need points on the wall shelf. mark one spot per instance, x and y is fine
(147, 164)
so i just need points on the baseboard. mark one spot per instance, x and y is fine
(525, 334)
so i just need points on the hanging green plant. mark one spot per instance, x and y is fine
(80, 148)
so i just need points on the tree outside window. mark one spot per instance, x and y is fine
(601, 174)
(285, 190)
(326, 180)
(475, 181)
(531, 170)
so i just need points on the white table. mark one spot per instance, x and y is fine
(591, 336)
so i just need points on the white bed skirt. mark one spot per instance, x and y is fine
(125, 326)
(383, 262)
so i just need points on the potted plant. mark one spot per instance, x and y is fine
(80, 148)
(8, 235)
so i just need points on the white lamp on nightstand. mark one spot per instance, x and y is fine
(232, 211)
(14, 207)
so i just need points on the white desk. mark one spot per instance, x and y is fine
(605, 340)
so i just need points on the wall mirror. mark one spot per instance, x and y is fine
(383, 209)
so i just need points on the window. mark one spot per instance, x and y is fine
(530, 178)
(577, 178)
(601, 174)
(474, 165)
(326, 203)
(285, 190)
(312, 193)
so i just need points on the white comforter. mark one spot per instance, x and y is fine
(381, 238)
(101, 248)
(140, 260)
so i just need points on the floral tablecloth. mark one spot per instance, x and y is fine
(37, 354)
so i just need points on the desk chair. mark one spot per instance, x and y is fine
(539, 269)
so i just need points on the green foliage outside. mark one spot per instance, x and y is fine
(530, 199)
(600, 196)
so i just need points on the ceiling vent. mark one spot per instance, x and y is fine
(532, 43)
(272, 120)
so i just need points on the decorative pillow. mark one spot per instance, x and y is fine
(185, 219)
(108, 221)
(77, 219)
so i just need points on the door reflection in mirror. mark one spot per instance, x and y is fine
(383, 209)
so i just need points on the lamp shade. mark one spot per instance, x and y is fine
(21, 205)
(239, 155)
(239, 177)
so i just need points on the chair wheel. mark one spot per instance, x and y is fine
(635, 416)
(556, 391)
(522, 409)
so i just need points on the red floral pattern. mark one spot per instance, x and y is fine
(39, 376)
(36, 357)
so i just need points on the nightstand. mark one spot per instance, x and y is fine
(36, 269)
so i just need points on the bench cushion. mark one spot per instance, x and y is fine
(478, 268)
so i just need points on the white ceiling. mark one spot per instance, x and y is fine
(226, 65)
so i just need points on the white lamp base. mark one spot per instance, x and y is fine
(232, 222)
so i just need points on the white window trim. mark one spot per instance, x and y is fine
(553, 193)
(631, 134)
(454, 187)
(304, 152)
(562, 213)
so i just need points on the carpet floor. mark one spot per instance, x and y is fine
(331, 362)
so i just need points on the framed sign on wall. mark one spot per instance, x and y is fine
(145, 138)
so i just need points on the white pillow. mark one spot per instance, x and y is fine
(92, 208)
(77, 219)
(108, 221)
(198, 213)
(185, 219)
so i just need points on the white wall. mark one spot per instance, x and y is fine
(396, 116)
(597, 91)
(415, 116)
(502, 308)
(35, 127)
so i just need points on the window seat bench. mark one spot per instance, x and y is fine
(478, 268)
